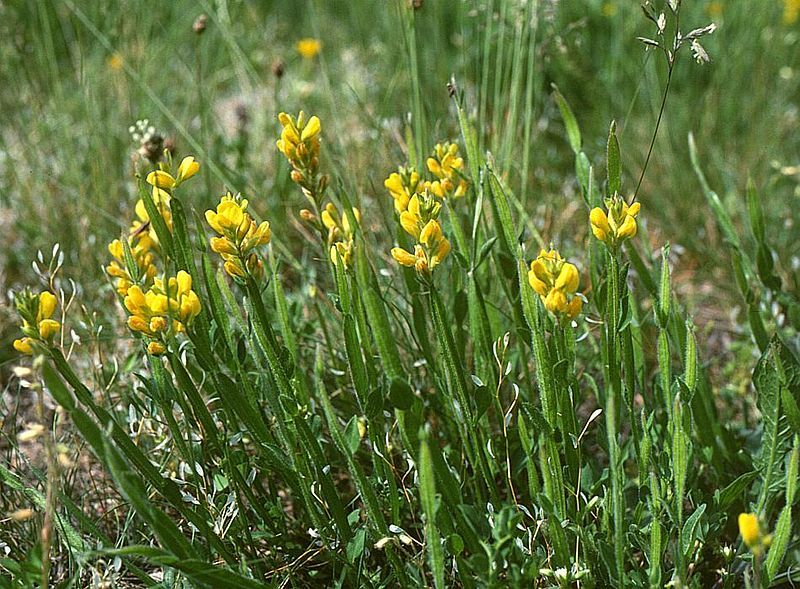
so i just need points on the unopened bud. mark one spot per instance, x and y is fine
(307, 216)
(297, 177)
(199, 25)
(278, 68)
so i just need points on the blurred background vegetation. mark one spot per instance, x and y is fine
(78, 75)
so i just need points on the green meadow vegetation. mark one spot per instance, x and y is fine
(414, 293)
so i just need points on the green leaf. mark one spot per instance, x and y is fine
(783, 529)
(689, 533)
(614, 164)
(573, 131)
(755, 212)
(427, 493)
(199, 571)
(352, 437)
(734, 491)
(57, 388)
(401, 395)
(355, 547)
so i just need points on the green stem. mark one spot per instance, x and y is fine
(613, 388)
(466, 423)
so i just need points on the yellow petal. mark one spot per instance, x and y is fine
(749, 529)
(568, 279)
(48, 328)
(555, 302)
(403, 257)
(184, 282)
(598, 219)
(536, 284)
(161, 179)
(410, 222)
(442, 250)
(431, 233)
(156, 348)
(574, 307)
(628, 228)
(23, 345)
(137, 323)
(188, 168)
(211, 219)
(312, 128)
(47, 305)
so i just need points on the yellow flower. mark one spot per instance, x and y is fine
(239, 235)
(556, 282)
(187, 168)
(156, 348)
(37, 323)
(421, 209)
(308, 47)
(143, 258)
(338, 226)
(229, 216)
(115, 62)
(299, 142)
(142, 229)
(342, 252)
(432, 248)
(753, 534)
(299, 139)
(161, 179)
(447, 166)
(23, 345)
(714, 9)
(403, 257)
(402, 185)
(163, 310)
(618, 224)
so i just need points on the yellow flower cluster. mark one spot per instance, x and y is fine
(556, 282)
(402, 185)
(37, 323)
(618, 224)
(447, 166)
(163, 178)
(162, 311)
(238, 235)
(142, 256)
(756, 539)
(143, 239)
(340, 234)
(420, 221)
(299, 142)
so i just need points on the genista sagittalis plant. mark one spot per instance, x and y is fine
(459, 411)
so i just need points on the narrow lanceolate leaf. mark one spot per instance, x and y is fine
(363, 485)
(375, 307)
(689, 532)
(201, 572)
(755, 212)
(427, 492)
(776, 370)
(614, 163)
(783, 529)
(573, 131)
(502, 212)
